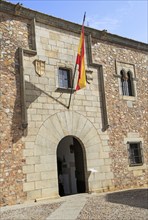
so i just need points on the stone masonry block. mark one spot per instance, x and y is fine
(107, 161)
(28, 169)
(93, 155)
(50, 192)
(101, 176)
(28, 186)
(33, 160)
(106, 148)
(42, 184)
(48, 159)
(104, 137)
(100, 162)
(32, 131)
(94, 163)
(28, 152)
(35, 194)
(29, 145)
(36, 117)
(105, 169)
(92, 142)
(104, 155)
(45, 167)
(109, 176)
(44, 40)
(49, 174)
(131, 139)
(39, 150)
(37, 105)
(33, 177)
(138, 172)
(133, 135)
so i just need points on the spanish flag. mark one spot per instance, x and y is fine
(80, 61)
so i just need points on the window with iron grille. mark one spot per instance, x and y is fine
(64, 78)
(135, 153)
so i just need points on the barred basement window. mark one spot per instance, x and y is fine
(64, 78)
(135, 154)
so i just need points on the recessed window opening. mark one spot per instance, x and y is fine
(126, 83)
(135, 154)
(64, 78)
(130, 83)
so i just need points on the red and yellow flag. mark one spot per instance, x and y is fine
(80, 61)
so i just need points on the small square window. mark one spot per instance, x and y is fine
(64, 78)
(135, 154)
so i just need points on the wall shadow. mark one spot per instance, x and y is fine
(135, 198)
(17, 129)
(36, 92)
(16, 123)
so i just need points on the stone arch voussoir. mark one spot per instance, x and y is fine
(52, 131)
(67, 123)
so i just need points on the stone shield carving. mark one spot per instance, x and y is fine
(89, 76)
(39, 67)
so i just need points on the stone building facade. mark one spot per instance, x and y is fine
(99, 143)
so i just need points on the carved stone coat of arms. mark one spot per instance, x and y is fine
(39, 67)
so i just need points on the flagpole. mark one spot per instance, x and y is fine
(74, 72)
(72, 85)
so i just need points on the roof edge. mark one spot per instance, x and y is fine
(19, 10)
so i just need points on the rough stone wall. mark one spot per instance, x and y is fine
(127, 118)
(13, 34)
(20, 174)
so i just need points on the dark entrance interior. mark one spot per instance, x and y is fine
(71, 169)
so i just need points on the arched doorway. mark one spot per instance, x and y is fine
(71, 166)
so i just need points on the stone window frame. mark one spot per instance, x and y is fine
(126, 83)
(60, 88)
(128, 68)
(131, 153)
(134, 138)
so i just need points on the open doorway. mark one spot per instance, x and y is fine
(71, 166)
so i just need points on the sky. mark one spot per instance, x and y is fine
(126, 18)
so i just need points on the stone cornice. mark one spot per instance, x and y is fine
(18, 10)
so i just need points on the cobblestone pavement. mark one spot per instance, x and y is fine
(123, 205)
(35, 212)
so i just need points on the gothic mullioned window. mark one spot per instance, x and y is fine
(126, 74)
(126, 83)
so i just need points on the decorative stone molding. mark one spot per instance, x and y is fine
(101, 78)
(126, 67)
(119, 65)
(22, 82)
(89, 76)
(134, 137)
(18, 8)
(21, 52)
